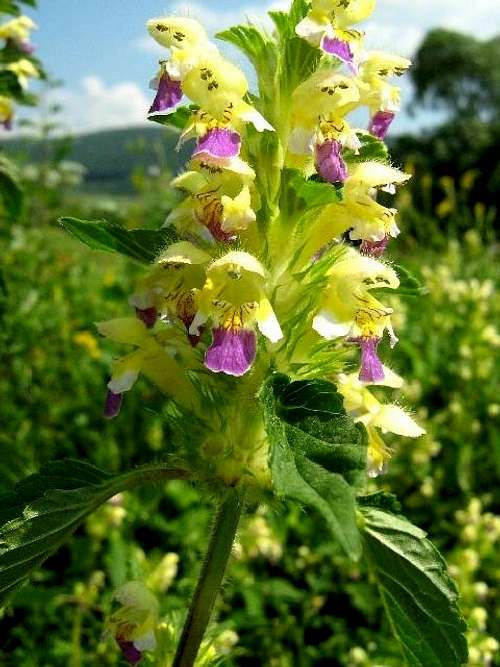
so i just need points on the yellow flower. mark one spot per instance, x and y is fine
(376, 416)
(348, 308)
(218, 88)
(18, 29)
(134, 623)
(24, 70)
(359, 212)
(159, 355)
(375, 91)
(328, 25)
(177, 32)
(89, 342)
(6, 111)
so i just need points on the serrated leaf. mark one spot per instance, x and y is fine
(419, 597)
(142, 245)
(317, 452)
(372, 150)
(11, 191)
(176, 120)
(298, 58)
(44, 509)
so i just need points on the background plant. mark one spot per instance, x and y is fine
(294, 601)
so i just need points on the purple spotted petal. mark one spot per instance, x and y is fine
(338, 48)
(168, 96)
(329, 163)
(147, 315)
(219, 143)
(374, 248)
(231, 352)
(130, 653)
(380, 123)
(113, 404)
(371, 366)
(7, 123)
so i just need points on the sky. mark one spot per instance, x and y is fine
(101, 51)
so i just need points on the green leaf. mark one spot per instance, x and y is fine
(11, 191)
(176, 120)
(9, 85)
(317, 453)
(372, 149)
(9, 7)
(142, 245)
(419, 597)
(298, 58)
(44, 509)
(312, 192)
(286, 22)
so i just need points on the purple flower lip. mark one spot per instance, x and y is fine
(338, 48)
(168, 96)
(231, 352)
(7, 124)
(329, 163)
(371, 366)
(26, 47)
(219, 143)
(380, 123)
(113, 404)
(374, 248)
(130, 653)
(147, 315)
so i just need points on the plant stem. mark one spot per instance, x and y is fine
(210, 579)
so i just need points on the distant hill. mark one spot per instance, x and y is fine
(109, 156)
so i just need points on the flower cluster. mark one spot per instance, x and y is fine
(17, 63)
(257, 278)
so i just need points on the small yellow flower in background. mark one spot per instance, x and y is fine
(164, 574)
(134, 623)
(89, 342)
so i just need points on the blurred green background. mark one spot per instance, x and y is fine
(291, 598)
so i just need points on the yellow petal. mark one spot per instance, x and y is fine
(126, 330)
(393, 419)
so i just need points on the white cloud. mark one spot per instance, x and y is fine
(95, 105)
(398, 25)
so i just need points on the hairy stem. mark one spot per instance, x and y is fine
(210, 579)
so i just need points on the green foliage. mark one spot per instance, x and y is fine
(46, 508)
(371, 149)
(418, 594)
(110, 157)
(313, 193)
(142, 245)
(298, 58)
(317, 452)
(11, 191)
(409, 285)
(177, 119)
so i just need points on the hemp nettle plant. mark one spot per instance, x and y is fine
(264, 316)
